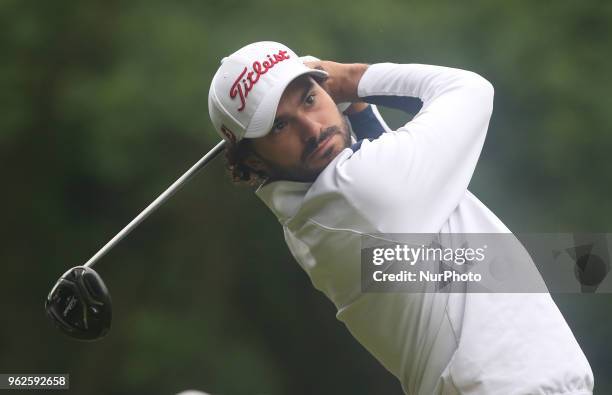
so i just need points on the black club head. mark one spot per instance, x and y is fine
(80, 305)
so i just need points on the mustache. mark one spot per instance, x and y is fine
(313, 143)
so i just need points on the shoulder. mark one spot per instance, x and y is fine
(370, 172)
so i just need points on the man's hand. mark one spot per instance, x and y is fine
(343, 79)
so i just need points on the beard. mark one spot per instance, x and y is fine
(304, 173)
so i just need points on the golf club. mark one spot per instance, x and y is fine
(79, 304)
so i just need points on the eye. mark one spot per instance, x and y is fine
(278, 126)
(310, 99)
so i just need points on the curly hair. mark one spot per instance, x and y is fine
(239, 171)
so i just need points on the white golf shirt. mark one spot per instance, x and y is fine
(414, 180)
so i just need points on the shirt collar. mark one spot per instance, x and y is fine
(284, 198)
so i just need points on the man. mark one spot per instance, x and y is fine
(286, 133)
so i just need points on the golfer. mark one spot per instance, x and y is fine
(331, 177)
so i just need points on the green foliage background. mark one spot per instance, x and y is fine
(104, 105)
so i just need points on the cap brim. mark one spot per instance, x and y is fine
(263, 118)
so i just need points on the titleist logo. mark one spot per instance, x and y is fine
(228, 134)
(246, 81)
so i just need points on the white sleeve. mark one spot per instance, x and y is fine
(412, 179)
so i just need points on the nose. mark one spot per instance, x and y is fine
(310, 127)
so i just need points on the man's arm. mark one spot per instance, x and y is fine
(343, 79)
(423, 169)
(365, 120)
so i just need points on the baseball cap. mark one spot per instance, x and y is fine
(246, 89)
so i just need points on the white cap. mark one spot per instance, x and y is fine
(247, 88)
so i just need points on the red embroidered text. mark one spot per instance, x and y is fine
(246, 81)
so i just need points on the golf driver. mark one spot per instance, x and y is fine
(79, 304)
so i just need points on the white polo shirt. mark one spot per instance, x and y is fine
(414, 180)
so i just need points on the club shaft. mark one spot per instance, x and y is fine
(161, 199)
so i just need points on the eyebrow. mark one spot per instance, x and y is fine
(305, 90)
